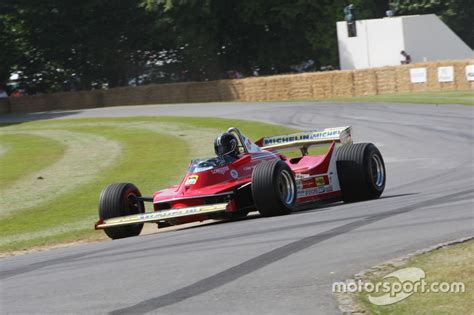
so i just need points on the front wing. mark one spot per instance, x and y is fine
(160, 215)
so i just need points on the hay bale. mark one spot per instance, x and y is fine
(77, 100)
(461, 81)
(154, 94)
(91, 99)
(170, 93)
(431, 78)
(402, 74)
(342, 83)
(4, 106)
(148, 94)
(365, 82)
(30, 104)
(117, 96)
(386, 80)
(231, 90)
(278, 87)
(135, 95)
(321, 84)
(316, 85)
(300, 87)
(203, 92)
(255, 89)
(404, 83)
(65, 100)
(444, 85)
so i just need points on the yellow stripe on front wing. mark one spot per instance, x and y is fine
(161, 215)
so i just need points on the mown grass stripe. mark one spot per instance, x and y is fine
(148, 159)
(200, 140)
(35, 152)
(197, 142)
(3, 149)
(85, 156)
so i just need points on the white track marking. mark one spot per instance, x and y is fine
(86, 155)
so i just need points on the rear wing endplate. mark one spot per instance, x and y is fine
(305, 139)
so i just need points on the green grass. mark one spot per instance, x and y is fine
(34, 152)
(437, 97)
(155, 153)
(449, 264)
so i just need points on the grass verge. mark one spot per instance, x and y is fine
(436, 97)
(154, 153)
(449, 264)
(34, 152)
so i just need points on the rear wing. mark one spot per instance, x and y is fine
(305, 139)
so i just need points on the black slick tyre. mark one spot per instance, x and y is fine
(273, 188)
(118, 200)
(361, 171)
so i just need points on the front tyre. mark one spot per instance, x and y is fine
(361, 171)
(117, 200)
(273, 188)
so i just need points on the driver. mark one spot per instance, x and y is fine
(226, 147)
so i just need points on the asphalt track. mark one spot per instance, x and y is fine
(280, 265)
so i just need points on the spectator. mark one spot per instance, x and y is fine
(407, 58)
(3, 94)
(16, 93)
(234, 74)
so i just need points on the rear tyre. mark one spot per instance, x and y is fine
(361, 171)
(118, 200)
(273, 188)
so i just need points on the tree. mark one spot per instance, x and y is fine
(10, 42)
(92, 43)
(58, 45)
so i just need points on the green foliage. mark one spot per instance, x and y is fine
(60, 45)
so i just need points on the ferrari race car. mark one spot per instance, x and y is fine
(247, 176)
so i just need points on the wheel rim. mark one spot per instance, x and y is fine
(134, 205)
(378, 171)
(286, 187)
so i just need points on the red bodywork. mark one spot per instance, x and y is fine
(316, 179)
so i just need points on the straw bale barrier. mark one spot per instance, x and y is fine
(386, 80)
(365, 82)
(304, 86)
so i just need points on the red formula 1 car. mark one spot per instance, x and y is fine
(247, 176)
